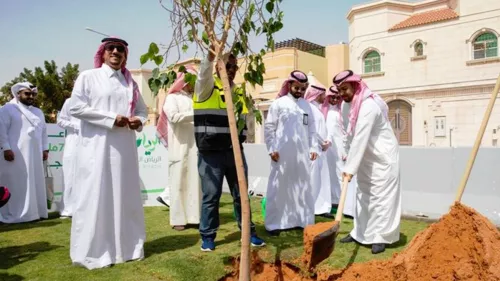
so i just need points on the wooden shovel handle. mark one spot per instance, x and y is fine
(479, 138)
(343, 195)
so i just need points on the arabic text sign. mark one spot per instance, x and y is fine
(56, 148)
(153, 163)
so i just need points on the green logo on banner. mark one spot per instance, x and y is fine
(149, 145)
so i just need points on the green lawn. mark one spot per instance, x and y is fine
(40, 251)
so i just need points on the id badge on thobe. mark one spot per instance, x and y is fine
(305, 119)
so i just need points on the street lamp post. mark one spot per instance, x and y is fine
(91, 30)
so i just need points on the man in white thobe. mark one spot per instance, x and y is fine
(373, 154)
(320, 174)
(290, 134)
(25, 146)
(175, 129)
(331, 108)
(72, 127)
(108, 219)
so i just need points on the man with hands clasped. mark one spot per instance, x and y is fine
(108, 221)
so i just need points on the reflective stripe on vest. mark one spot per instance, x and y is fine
(215, 130)
(211, 124)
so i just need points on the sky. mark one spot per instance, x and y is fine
(33, 31)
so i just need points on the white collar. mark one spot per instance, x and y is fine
(111, 72)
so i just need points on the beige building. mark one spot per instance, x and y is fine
(322, 62)
(435, 62)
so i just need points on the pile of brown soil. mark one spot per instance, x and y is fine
(261, 271)
(462, 246)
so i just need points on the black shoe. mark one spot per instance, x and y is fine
(327, 215)
(161, 201)
(273, 232)
(347, 239)
(378, 248)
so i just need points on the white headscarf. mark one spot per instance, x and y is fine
(32, 118)
(21, 86)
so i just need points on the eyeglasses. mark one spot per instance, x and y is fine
(33, 94)
(112, 47)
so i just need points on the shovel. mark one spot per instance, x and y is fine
(477, 143)
(319, 239)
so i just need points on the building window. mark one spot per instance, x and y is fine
(372, 62)
(485, 46)
(419, 49)
(440, 126)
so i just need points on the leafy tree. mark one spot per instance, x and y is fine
(223, 25)
(53, 87)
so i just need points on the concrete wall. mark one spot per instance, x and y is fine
(429, 179)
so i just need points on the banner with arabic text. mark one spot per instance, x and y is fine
(153, 164)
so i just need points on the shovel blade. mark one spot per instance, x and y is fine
(323, 245)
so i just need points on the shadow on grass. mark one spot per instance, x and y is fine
(170, 243)
(51, 221)
(403, 240)
(9, 277)
(15, 255)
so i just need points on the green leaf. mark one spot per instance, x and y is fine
(277, 26)
(258, 116)
(138, 142)
(153, 49)
(246, 25)
(203, 2)
(190, 35)
(185, 48)
(241, 124)
(158, 60)
(182, 68)
(164, 79)
(156, 72)
(153, 86)
(270, 7)
(204, 37)
(144, 58)
(259, 79)
(251, 10)
(190, 79)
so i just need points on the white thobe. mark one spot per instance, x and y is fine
(72, 127)
(165, 194)
(108, 221)
(320, 174)
(184, 180)
(336, 164)
(290, 132)
(25, 133)
(374, 156)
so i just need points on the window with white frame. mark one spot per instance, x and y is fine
(485, 46)
(371, 62)
(440, 126)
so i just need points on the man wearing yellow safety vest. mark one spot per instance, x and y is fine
(215, 151)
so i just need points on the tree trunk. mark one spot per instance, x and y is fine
(250, 126)
(240, 170)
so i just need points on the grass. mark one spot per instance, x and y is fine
(40, 250)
